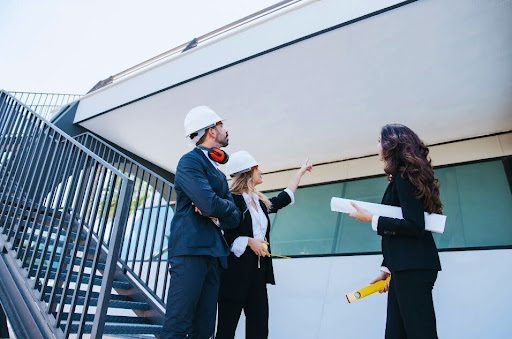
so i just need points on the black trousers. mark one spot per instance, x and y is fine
(410, 311)
(255, 308)
(192, 297)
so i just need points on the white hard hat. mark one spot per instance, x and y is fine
(200, 118)
(240, 162)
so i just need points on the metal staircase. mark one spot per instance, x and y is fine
(82, 233)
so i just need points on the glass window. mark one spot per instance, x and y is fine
(308, 226)
(354, 236)
(477, 201)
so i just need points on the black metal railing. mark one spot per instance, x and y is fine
(45, 104)
(144, 250)
(63, 211)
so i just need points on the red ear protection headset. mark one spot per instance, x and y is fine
(216, 154)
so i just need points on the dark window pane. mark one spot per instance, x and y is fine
(308, 226)
(486, 204)
(453, 236)
(477, 202)
(355, 236)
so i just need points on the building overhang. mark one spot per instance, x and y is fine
(442, 68)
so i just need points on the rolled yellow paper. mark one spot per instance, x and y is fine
(368, 290)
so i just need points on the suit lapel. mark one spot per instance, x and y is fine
(387, 192)
(246, 224)
(209, 164)
(204, 157)
(265, 211)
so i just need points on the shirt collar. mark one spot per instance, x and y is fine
(254, 197)
(205, 152)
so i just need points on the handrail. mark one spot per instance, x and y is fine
(119, 153)
(45, 104)
(194, 42)
(148, 220)
(65, 136)
(59, 201)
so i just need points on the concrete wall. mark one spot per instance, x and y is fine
(471, 297)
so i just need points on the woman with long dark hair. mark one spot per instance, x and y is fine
(244, 284)
(410, 253)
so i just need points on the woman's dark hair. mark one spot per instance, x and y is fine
(406, 155)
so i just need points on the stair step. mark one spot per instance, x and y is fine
(24, 212)
(60, 243)
(48, 252)
(113, 303)
(57, 255)
(118, 328)
(129, 305)
(85, 280)
(88, 263)
(12, 199)
(56, 259)
(73, 235)
(97, 280)
(81, 293)
(9, 220)
(108, 318)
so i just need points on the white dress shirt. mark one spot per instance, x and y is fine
(259, 222)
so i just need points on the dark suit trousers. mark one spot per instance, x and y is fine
(410, 311)
(255, 308)
(192, 297)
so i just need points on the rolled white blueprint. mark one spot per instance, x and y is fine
(433, 222)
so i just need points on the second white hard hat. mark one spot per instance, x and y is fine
(240, 162)
(200, 118)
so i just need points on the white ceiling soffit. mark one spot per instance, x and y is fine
(290, 23)
(441, 67)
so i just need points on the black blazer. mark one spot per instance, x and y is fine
(405, 243)
(241, 270)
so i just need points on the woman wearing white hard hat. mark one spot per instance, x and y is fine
(244, 283)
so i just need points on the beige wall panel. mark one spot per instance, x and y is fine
(470, 150)
(320, 174)
(274, 181)
(326, 173)
(506, 143)
(457, 152)
(364, 167)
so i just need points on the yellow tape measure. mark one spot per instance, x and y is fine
(274, 255)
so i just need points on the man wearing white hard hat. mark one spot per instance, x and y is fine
(244, 283)
(197, 247)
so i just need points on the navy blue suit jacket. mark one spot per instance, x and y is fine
(199, 183)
